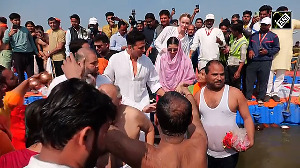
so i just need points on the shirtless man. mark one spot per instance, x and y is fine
(219, 103)
(175, 115)
(5, 50)
(128, 119)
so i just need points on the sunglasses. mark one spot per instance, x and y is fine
(172, 49)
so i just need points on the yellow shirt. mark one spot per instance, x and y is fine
(282, 60)
(55, 37)
(109, 31)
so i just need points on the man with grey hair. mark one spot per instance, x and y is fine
(208, 39)
(128, 119)
(86, 58)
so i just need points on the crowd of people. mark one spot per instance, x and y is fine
(114, 86)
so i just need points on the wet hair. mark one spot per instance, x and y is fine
(247, 12)
(33, 122)
(185, 15)
(121, 23)
(75, 16)
(71, 106)
(237, 27)
(76, 44)
(164, 12)
(199, 19)
(150, 16)
(29, 22)
(172, 40)
(210, 63)
(267, 8)
(282, 8)
(134, 36)
(109, 14)
(39, 27)
(13, 16)
(3, 20)
(174, 113)
(101, 37)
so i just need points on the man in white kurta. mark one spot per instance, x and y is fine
(282, 60)
(208, 39)
(131, 70)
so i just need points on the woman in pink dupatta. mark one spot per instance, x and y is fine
(175, 67)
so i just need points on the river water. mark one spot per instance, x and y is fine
(273, 148)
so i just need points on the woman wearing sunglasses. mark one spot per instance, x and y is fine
(175, 66)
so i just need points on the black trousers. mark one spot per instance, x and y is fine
(229, 74)
(195, 60)
(57, 66)
(259, 70)
(23, 62)
(40, 63)
(227, 162)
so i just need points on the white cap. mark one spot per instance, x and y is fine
(93, 20)
(266, 20)
(210, 16)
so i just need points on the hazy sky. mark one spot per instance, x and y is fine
(40, 10)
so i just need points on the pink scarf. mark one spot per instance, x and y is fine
(176, 70)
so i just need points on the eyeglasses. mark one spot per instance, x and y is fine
(172, 49)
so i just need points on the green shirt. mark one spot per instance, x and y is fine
(22, 41)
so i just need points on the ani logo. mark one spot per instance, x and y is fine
(281, 20)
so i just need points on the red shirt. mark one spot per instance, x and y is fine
(16, 159)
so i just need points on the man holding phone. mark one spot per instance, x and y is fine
(23, 46)
(196, 10)
(264, 11)
(111, 28)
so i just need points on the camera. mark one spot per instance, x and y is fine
(93, 29)
(132, 20)
(15, 26)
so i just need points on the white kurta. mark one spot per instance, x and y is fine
(282, 60)
(205, 39)
(133, 88)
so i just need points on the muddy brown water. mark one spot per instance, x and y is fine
(273, 148)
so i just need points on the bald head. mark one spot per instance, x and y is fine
(91, 60)
(112, 91)
(84, 53)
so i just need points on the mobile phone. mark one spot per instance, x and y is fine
(133, 12)
(113, 18)
(15, 26)
(256, 14)
(173, 9)
(197, 6)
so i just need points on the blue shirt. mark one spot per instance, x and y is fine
(21, 41)
(117, 42)
(267, 41)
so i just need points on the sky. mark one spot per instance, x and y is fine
(39, 11)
